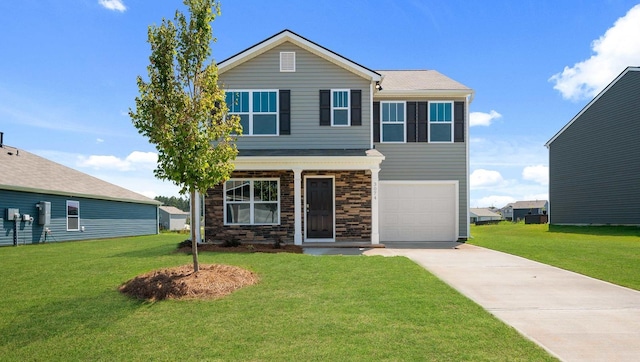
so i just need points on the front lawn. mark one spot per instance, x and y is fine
(602, 252)
(60, 302)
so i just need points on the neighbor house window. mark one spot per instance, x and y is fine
(252, 202)
(340, 107)
(440, 121)
(392, 123)
(258, 111)
(73, 215)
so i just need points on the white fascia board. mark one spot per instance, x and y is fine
(595, 99)
(303, 43)
(260, 163)
(426, 93)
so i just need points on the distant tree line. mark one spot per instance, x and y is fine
(179, 202)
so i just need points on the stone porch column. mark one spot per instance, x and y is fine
(375, 234)
(297, 209)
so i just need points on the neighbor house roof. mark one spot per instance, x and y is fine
(420, 82)
(483, 212)
(537, 204)
(27, 172)
(594, 100)
(173, 210)
(289, 36)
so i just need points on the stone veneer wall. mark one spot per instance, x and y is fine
(215, 230)
(352, 203)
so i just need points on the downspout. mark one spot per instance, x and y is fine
(468, 100)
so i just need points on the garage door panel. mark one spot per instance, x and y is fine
(418, 211)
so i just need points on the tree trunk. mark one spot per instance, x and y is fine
(194, 240)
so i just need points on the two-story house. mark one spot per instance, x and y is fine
(334, 151)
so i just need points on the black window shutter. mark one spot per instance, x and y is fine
(285, 112)
(325, 107)
(423, 122)
(458, 121)
(356, 107)
(412, 125)
(376, 121)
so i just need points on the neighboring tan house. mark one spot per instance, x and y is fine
(42, 201)
(594, 160)
(523, 208)
(333, 151)
(172, 218)
(483, 215)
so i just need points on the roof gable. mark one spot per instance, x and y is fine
(593, 101)
(27, 172)
(289, 36)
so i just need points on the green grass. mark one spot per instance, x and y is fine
(602, 252)
(60, 302)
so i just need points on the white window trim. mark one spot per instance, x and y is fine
(75, 217)
(429, 121)
(251, 113)
(285, 67)
(251, 201)
(348, 108)
(404, 123)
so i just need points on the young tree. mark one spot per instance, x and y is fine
(181, 109)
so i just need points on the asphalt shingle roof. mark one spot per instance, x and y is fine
(24, 171)
(402, 80)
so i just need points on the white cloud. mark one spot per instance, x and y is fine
(493, 200)
(617, 49)
(483, 119)
(99, 140)
(135, 161)
(115, 5)
(485, 178)
(539, 174)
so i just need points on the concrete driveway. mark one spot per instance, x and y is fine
(573, 317)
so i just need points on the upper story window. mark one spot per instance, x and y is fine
(258, 111)
(392, 121)
(73, 215)
(252, 202)
(340, 107)
(440, 121)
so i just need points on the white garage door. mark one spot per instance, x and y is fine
(418, 211)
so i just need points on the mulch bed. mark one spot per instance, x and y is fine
(210, 282)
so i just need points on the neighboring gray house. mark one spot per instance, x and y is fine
(333, 151)
(507, 211)
(172, 218)
(524, 208)
(594, 160)
(483, 214)
(42, 201)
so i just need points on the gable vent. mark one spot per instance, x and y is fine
(287, 61)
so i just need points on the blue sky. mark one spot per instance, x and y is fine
(68, 72)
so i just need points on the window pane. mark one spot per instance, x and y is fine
(72, 208)
(440, 132)
(244, 122)
(73, 223)
(340, 117)
(256, 102)
(392, 133)
(264, 124)
(266, 213)
(385, 112)
(400, 117)
(244, 102)
(447, 112)
(265, 191)
(272, 102)
(238, 213)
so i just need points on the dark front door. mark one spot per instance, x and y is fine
(319, 208)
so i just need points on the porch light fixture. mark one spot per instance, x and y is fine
(378, 86)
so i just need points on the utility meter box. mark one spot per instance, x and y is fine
(44, 213)
(12, 214)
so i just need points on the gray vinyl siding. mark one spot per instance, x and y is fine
(312, 74)
(428, 162)
(100, 218)
(594, 165)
